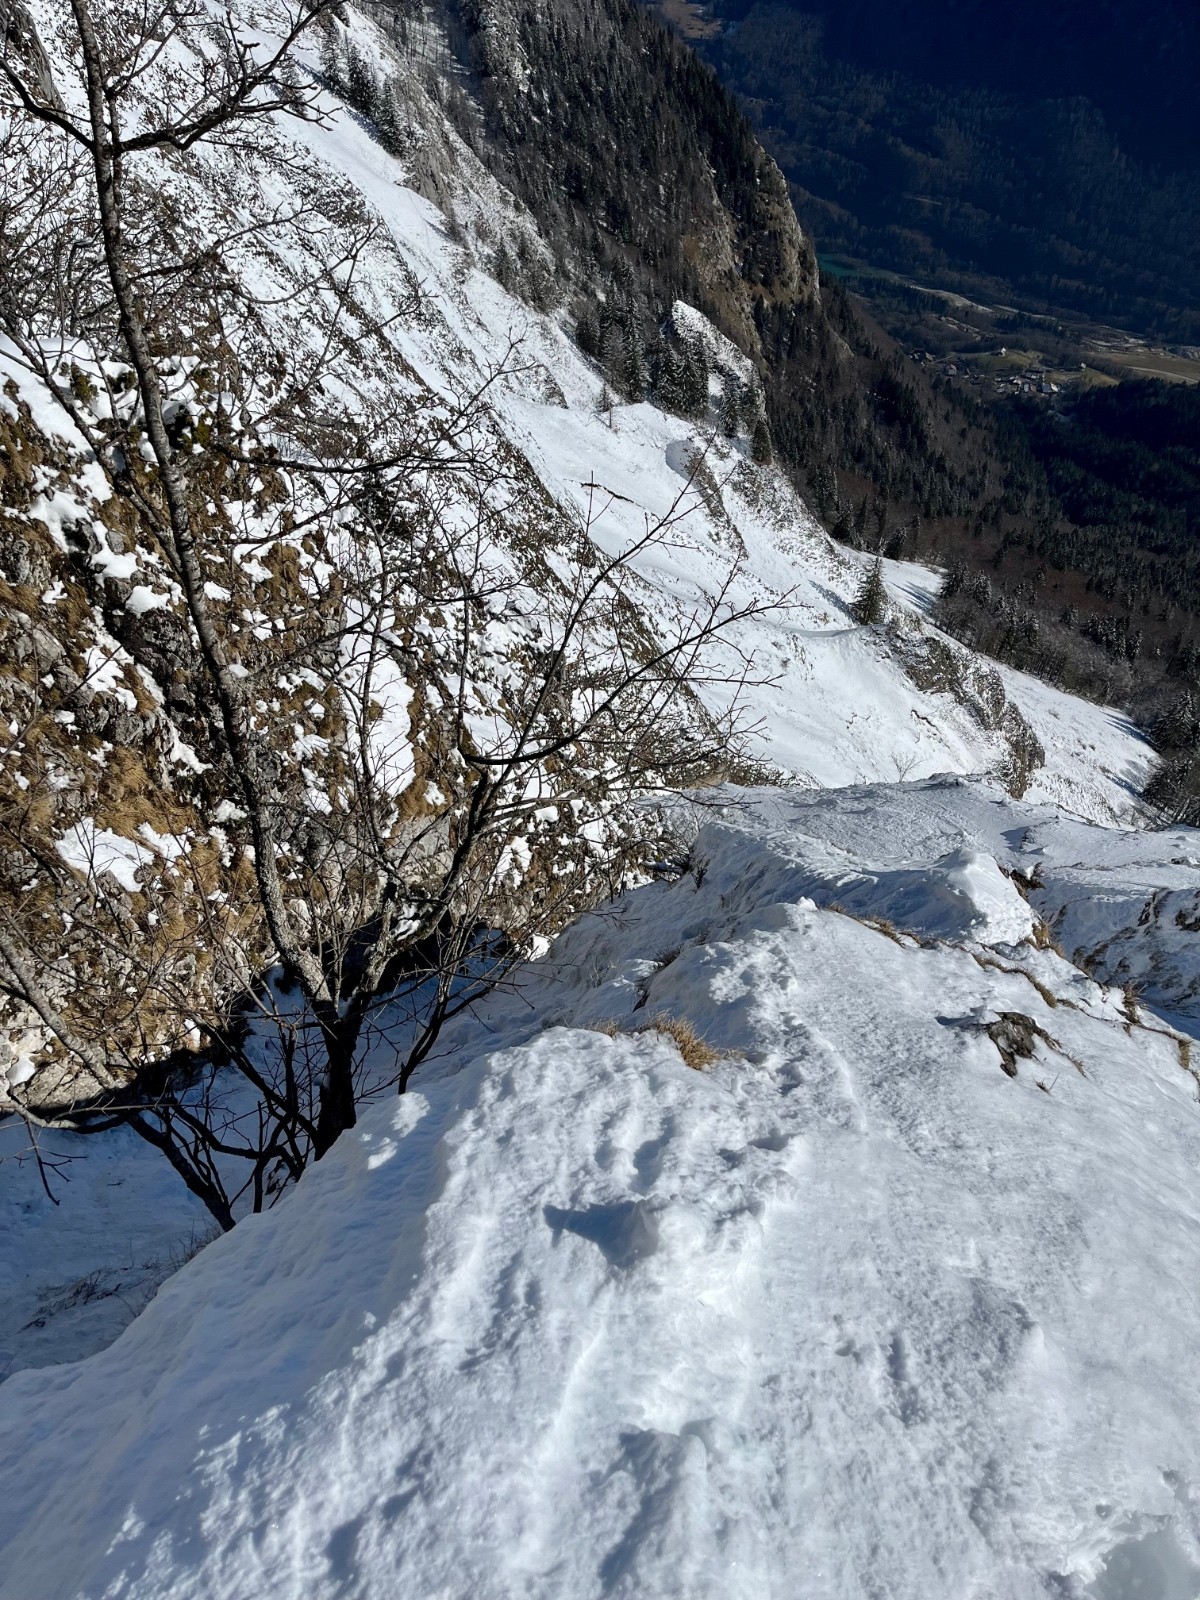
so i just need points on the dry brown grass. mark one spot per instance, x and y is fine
(1049, 998)
(1044, 939)
(696, 1051)
(879, 924)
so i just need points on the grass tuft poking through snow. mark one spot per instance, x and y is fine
(697, 1053)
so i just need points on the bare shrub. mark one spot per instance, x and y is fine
(379, 715)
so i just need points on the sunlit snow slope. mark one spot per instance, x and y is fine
(897, 1298)
(834, 705)
(838, 707)
(852, 1313)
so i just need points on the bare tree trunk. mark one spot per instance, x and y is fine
(204, 1189)
(107, 158)
(338, 1110)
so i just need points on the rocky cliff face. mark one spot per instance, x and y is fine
(627, 150)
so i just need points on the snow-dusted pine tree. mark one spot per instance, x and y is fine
(731, 406)
(870, 603)
(760, 442)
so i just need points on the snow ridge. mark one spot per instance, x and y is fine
(860, 1311)
(850, 1314)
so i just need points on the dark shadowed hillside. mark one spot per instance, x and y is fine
(1050, 153)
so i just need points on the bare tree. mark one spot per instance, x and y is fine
(420, 711)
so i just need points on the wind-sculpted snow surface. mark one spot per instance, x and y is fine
(1122, 904)
(896, 1299)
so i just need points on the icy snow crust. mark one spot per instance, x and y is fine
(853, 1313)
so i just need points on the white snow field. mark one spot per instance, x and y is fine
(850, 1313)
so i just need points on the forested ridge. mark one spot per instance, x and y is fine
(1081, 529)
(1047, 153)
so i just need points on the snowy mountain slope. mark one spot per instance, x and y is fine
(828, 702)
(1096, 761)
(838, 705)
(840, 711)
(852, 1313)
(1120, 904)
